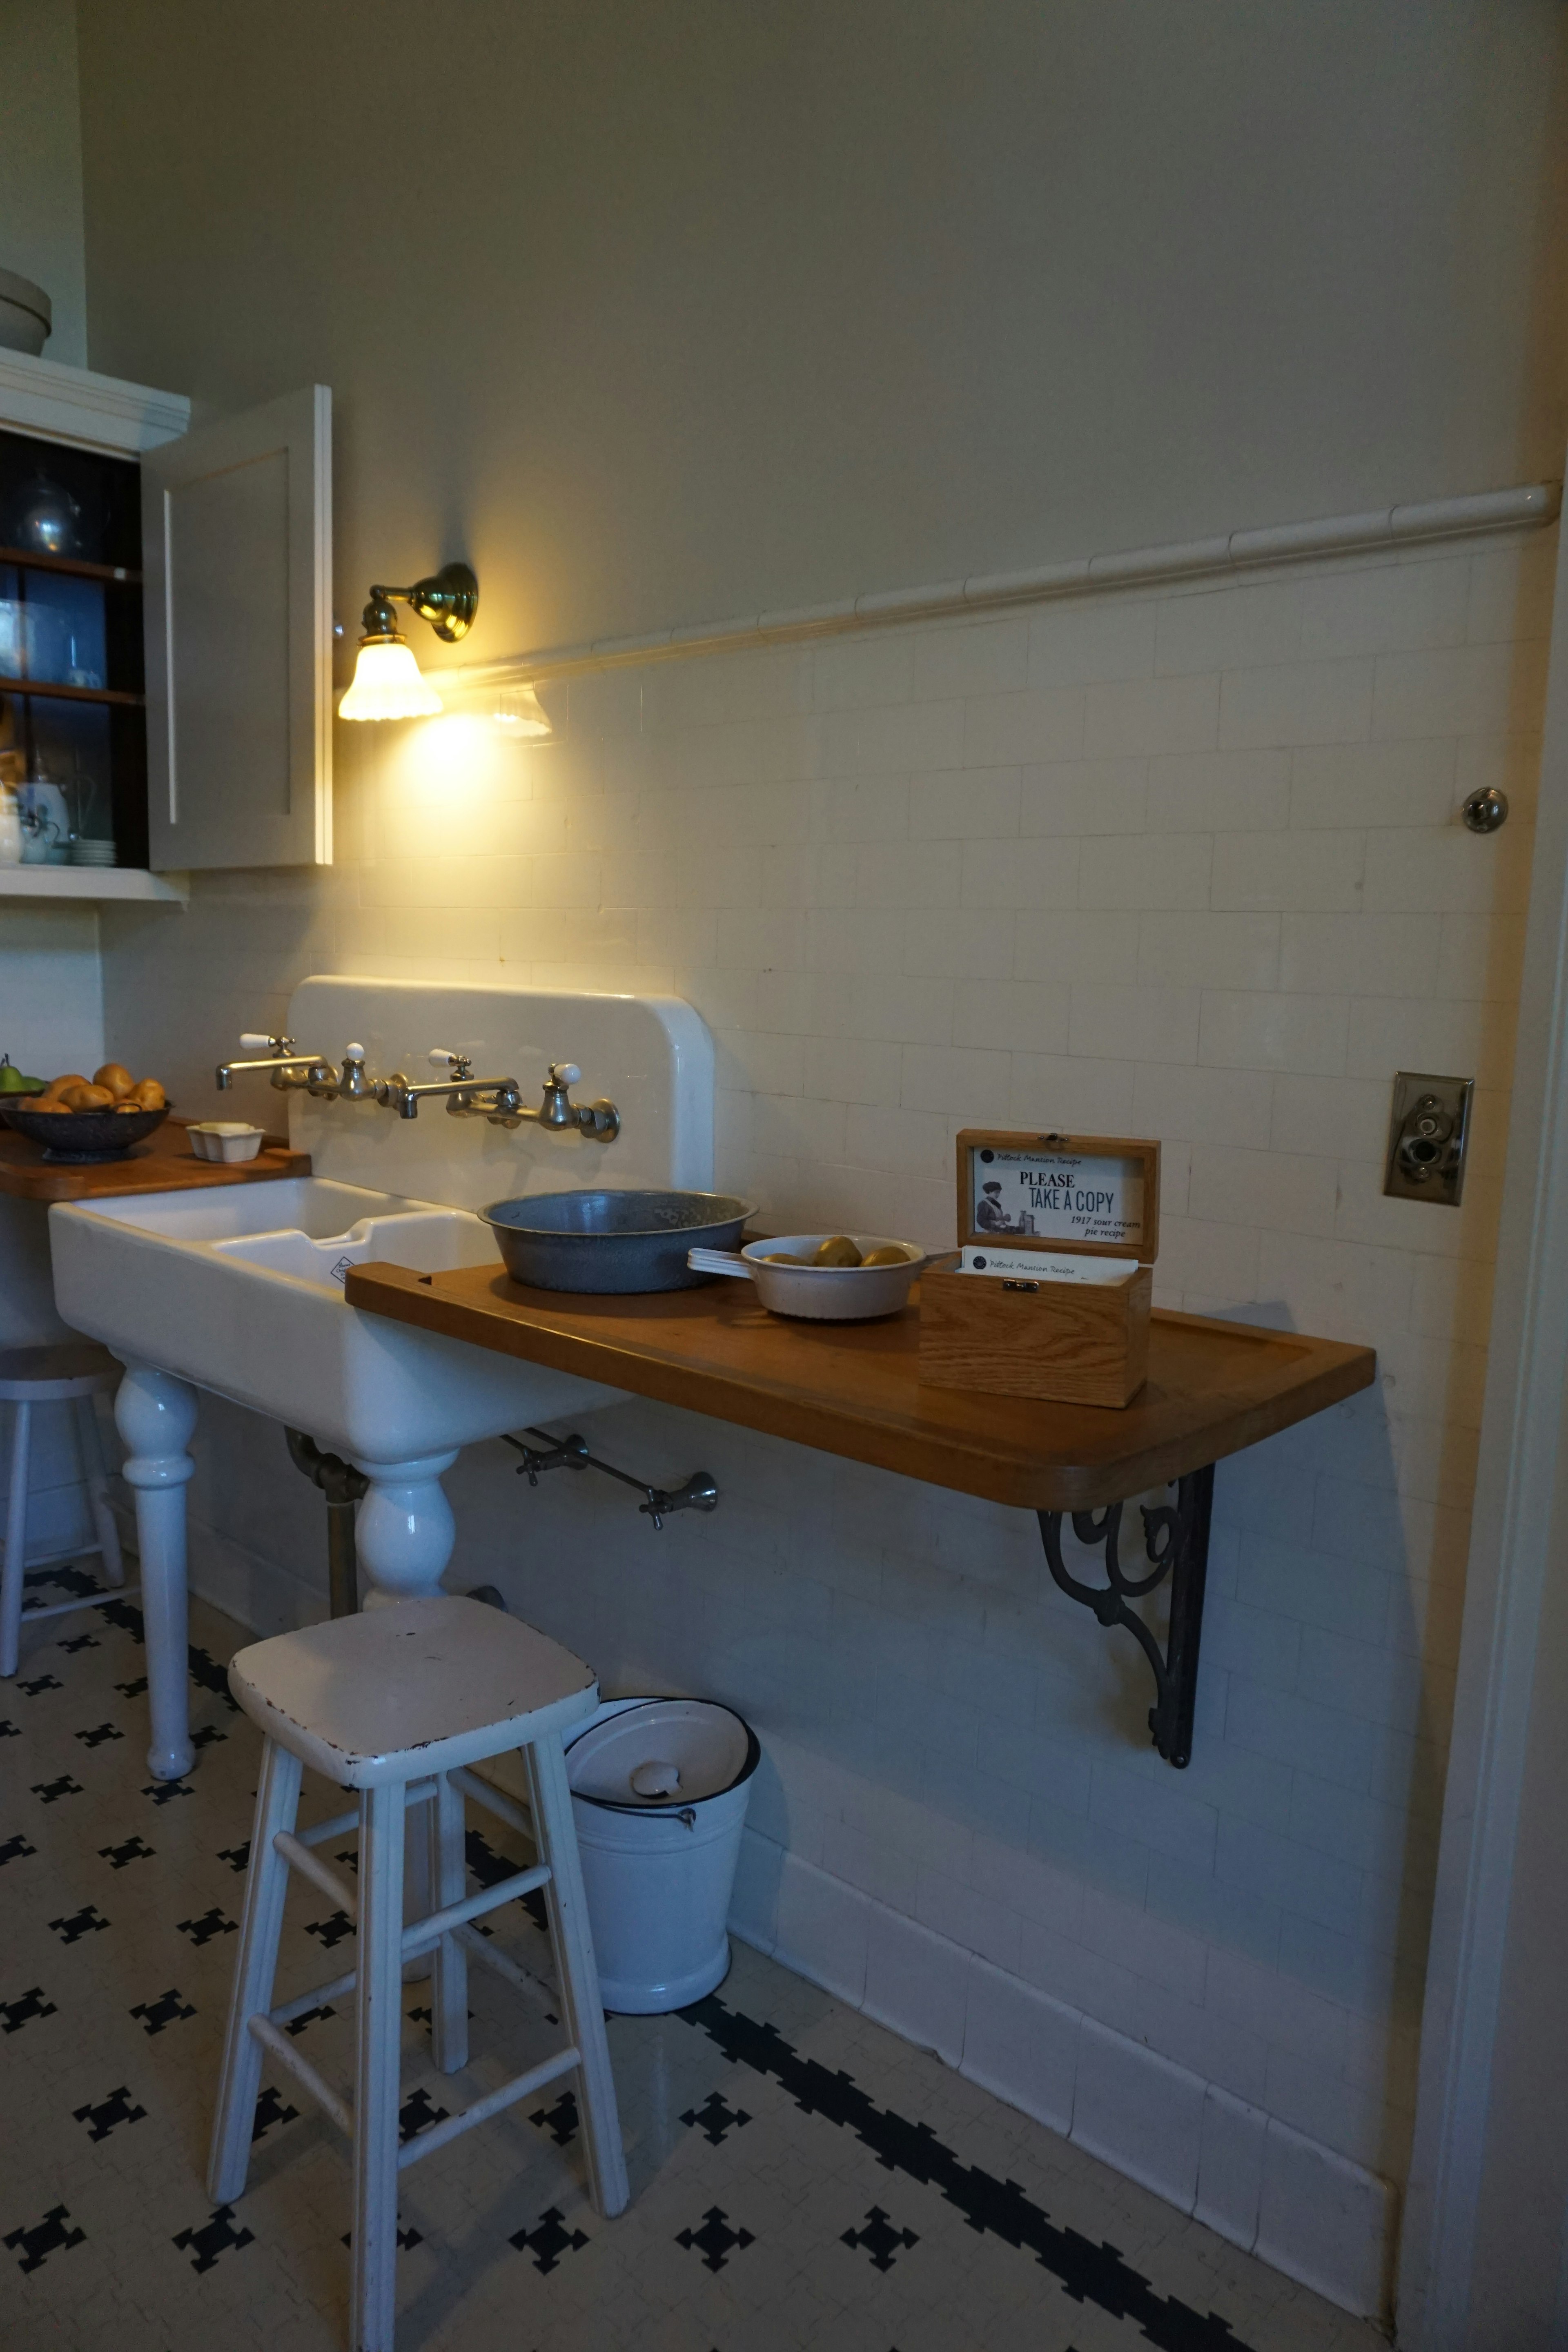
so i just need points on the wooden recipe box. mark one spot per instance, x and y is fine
(1057, 1236)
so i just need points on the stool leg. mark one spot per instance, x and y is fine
(581, 2011)
(379, 2003)
(11, 1585)
(277, 1804)
(95, 1478)
(448, 1883)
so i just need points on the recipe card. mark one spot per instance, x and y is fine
(1057, 1196)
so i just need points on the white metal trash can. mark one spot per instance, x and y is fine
(659, 1789)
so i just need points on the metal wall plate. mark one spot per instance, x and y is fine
(1426, 1138)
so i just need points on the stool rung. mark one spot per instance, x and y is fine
(474, 1944)
(304, 2074)
(521, 2087)
(304, 2002)
(423, 1935)
(83, 1600)
(416, 1792)
(503, 1807)
(300, 1858)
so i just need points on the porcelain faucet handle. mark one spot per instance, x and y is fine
(564, 1074)
(353, 1053)
(440, 1059)
(253, 1041)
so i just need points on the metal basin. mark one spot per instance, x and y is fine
(613, 1241)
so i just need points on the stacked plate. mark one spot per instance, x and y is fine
(93, 852)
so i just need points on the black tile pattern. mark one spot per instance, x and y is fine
(236, 1856)
(877, 2237)
(207, 1736)
(271, 2108)
(549, 2240)
(1089, 2272)
(28, 2005)
(167, 2009)
(559, 2121)
(714, 2120)
(9, 1730)
(216, 2236)
(82, 1641)
(211, 1923)
(208, 1676)
(331, 1930)
(164, 1791)
(103, 2118)
(15, 1848)
(297, 2025)
(99, 1734)
(88, 1921)
(418, 2112)
(132, 1849)
(132, 1689)
(39, 1683)
(715, 2242)
(50, 2236)
(49, 1792)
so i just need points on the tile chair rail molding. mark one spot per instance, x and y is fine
(1472, 514)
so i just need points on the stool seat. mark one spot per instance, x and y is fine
(56, 1373)
(70, 1373)
(396, 1705)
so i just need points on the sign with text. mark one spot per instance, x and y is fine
(1042, 1194)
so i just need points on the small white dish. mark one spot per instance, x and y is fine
(819, 1294)
(225, 1139)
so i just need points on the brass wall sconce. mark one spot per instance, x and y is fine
(387, 683)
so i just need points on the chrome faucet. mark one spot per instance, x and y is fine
(292, 1072)
(500, 1099)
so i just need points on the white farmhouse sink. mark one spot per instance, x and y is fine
(238, 1290)
(241, 1291)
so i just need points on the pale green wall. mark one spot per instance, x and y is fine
(40, 164)
(663, 310)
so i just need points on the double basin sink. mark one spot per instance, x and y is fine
(240, 1291)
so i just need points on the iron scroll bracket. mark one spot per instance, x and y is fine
(1176, 1542)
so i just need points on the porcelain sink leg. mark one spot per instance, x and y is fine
(406, 1530)
(155, 1414)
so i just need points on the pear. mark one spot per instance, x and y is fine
(14, 1081)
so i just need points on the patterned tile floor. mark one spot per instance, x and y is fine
(801, 2178)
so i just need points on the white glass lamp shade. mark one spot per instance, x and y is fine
(520, 712)
(387, 683)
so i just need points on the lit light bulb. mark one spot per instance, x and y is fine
(387, 683)
(520, 712)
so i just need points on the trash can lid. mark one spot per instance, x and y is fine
(662, 1753)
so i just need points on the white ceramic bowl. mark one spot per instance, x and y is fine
(225, 1139)
(821, 1294)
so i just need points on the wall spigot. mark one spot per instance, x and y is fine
(500, 1099)
(292, 1072)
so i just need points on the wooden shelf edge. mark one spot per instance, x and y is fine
(74, 567)
(54, 690)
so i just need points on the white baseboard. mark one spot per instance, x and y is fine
(1322, 2220)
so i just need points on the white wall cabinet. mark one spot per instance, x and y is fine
(237, 550)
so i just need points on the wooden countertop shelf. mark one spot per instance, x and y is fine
(853, 1389)
(165, 1163)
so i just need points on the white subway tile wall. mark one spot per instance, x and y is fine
(1186, 865)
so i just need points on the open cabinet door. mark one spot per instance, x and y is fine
(237, 529)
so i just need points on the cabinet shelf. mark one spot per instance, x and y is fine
(29, 559)
(61, 693)
(94, 882)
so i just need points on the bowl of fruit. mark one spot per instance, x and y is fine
(82, 1120)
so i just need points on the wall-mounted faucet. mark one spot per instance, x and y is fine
(500, 1099)
(292, 1072)
(497, 1099)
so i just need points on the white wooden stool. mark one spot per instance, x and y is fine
(70, 1372)
(395, 1703)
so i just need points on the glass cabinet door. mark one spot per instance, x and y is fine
(72, 721)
